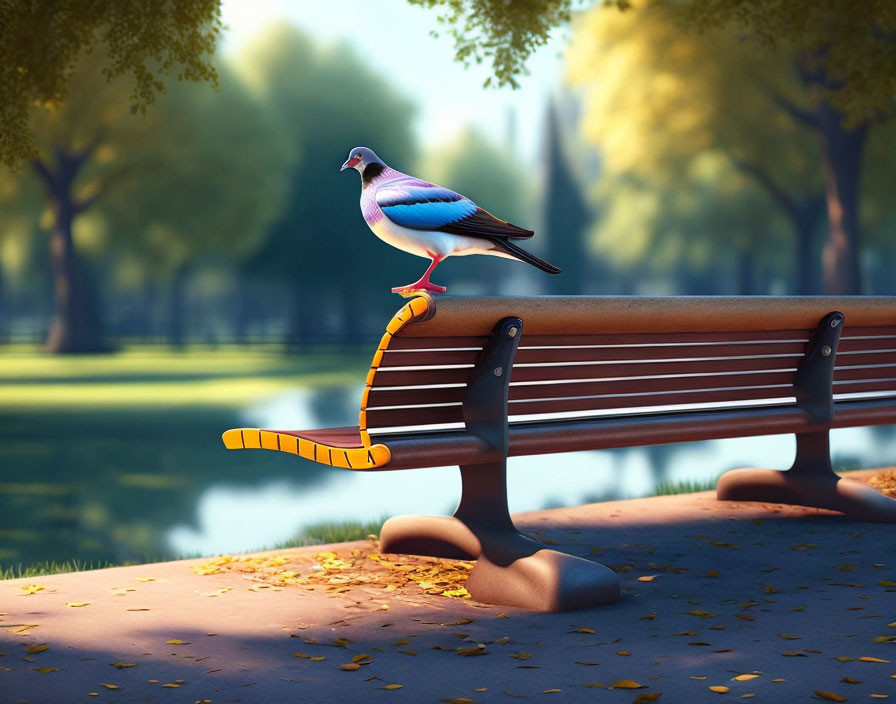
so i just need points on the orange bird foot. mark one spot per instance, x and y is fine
(411, 289)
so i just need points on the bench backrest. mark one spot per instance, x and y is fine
(586, 357)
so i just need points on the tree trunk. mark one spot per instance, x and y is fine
(805, 217)
(842, 154)
(299, 328)
(76, 326)
(745, 268)
(177, 307)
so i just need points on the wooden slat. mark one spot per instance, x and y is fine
(427, 358)
(421, 377)
(595, 354)
(425, 343)
(595, 403)
(862, 358)
(564, 315)
(865, 386)
(520, 392)
(379, 397)
(603, 371)
(878, 331)
(870, 343)
(648, 338)
(601, 354)
(882, 371)
(427, 415)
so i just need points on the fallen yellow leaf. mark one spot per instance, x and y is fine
(829, 696)
(146, 579)
(582, 630)
(32, 588)
(868, 658)
(647, 697)
(176, 641)
(702, 614)
(392, 686)
(850, 680)
(77, 603)
(789, 636)
(171, 685)
(350, 666)
(109, 686)
(122, 665)
(627, 684)
(744, 678)
(551, 691)
(720, 688)
(647, 578)
(45, 670)
(522, 656)
(39, 648)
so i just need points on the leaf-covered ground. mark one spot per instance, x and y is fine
(719, 600)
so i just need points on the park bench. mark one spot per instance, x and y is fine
(471, 381)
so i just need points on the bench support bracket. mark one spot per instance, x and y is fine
(511, 569)
(811, 480)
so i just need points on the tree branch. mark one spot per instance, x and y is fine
(806, 117)
(764, 179)
(113, 179)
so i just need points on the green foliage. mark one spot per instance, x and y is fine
(330, 101)
(684, 486)
(504, 33)
(42, 43)
(852, 44)
(334, 532)
(40, 569)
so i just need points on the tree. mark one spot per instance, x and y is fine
(330, 101)
(564, 212)
(843, 54)
(43, 42)
(699, 230)
(174, 183)
(654, 103)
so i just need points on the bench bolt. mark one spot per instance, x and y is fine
(498, 371)
(826, 351)
(512, 332)
(835, 322)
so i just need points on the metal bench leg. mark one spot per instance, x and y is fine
(511, 569)
(811, 481)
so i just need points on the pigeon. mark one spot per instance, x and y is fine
(431, 221)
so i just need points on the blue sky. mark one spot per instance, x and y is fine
(395, 38)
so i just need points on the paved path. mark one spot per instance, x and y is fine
(766, 601)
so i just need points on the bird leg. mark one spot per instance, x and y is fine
(423, 283)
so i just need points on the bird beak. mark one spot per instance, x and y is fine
(350, 163)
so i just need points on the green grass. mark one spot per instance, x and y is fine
(152, 377)
(40, 569)
(316, 534)
(685, 486)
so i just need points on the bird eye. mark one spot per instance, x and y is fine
(356, 156)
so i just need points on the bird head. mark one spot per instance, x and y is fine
(359, 158)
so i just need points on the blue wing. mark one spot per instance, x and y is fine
(423, 207)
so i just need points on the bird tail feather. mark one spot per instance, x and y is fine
(525, 256)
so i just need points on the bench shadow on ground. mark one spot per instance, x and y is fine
(794, 599)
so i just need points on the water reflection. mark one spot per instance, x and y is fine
(131, 484)
(276, 511)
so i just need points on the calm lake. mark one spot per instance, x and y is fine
(148, 484)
